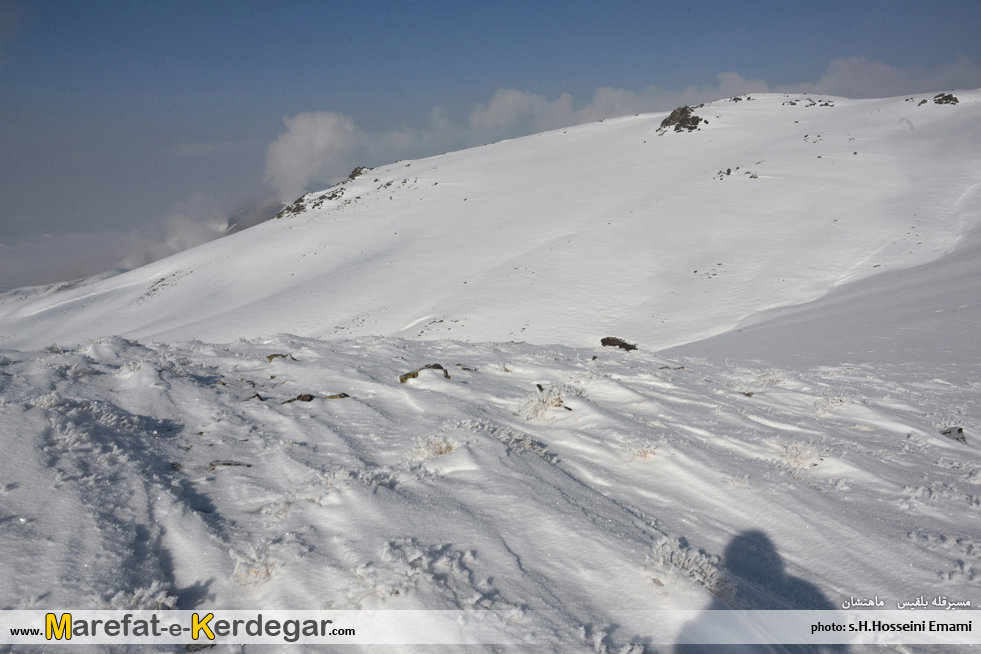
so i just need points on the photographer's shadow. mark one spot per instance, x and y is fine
(761, 585)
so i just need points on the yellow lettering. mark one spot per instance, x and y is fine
(198, 625)
(58, 629)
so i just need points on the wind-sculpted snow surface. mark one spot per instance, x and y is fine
(659, 238)
(558, 485)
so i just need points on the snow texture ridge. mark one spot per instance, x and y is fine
(446, 493)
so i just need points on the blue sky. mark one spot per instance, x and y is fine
(129, 130)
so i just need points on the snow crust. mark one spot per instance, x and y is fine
(227, 428)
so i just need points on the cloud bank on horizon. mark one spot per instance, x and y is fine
(320, 147)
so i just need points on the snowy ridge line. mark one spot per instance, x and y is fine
(441, 494)
(667, 237)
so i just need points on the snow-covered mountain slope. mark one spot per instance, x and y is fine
(232, 427)
(929, 313)
(568, 236)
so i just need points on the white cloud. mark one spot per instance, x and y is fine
(53, 258)
(861, 77)
(508, 107)
(314, 142)
(188, 224)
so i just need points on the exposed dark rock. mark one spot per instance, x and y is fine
(945, 98)
(303, 397)
(296, 208)
(681, 119)
(611, 341)
(214, 465)
(269, 359)
(335, 193)
(415, 373)
(955, 433)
